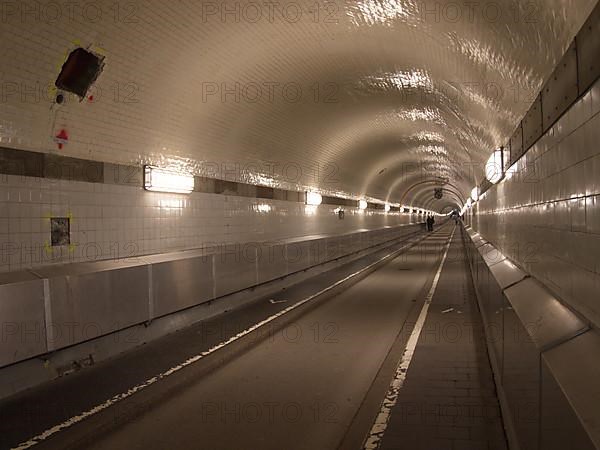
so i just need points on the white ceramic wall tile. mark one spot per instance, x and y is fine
(550, 222)
(118, 221)
(592, 218)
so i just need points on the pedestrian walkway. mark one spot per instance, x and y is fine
(448, 400)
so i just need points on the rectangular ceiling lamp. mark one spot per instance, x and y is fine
(161, 180)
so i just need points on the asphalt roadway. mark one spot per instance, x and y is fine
(314, 381)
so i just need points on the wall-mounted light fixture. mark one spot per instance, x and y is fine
(475, 193)
(161, 180)
(263, 208)
(387, 207)
(494, 167)
(362, 204)
(314, 198)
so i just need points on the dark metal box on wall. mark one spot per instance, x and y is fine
(516, 144)
(560, 91)
(532, 124)
(588, 51)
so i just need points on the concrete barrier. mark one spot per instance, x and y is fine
(550, 398)
(60, 306)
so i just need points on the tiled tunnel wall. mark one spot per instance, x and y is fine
(115, 221)
(546, 216)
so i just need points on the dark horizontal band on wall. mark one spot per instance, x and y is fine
(45, 165)
(571, 79)
(216, 186)
(327, 200)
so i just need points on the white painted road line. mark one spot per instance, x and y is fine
(117, 398)
(374, 437)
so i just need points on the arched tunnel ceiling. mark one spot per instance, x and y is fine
(393, 92)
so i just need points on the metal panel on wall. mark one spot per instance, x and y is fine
(571, 398)
(235, 269)
(560, 427)
(22, 317)
(490, 254)
(516, 144)
(495, 321)
(507, 274)
(484, 186)
(87, 305)
(347, 243)
(272, 263)
(533, 320)
(298, 254)
(520, 376)
(547, 320)
(548, 372)
(560, 91)
(532, 124)
(333, 248)
(181, 283)
(588, 51)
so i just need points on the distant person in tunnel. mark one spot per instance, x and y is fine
(430, 222)
(455, 216)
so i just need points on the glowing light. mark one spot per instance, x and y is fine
(310, 210)
(431, 137)
(387, 207)
(475, 193)
(404, 80)
(263, 208)
(170, 203)
(493, 167)
(362, 204)
(161, 180)
(314, 198)
(418, 114)
(469, 203)
(371, 12)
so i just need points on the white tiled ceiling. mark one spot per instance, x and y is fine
(392, 92)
